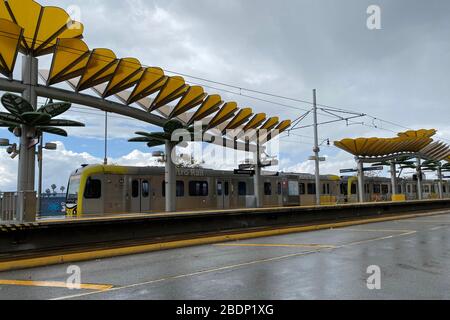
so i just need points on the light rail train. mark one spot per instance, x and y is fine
(103, 189)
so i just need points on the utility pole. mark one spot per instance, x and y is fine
(316, 150)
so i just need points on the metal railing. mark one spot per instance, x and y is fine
(8, 207)
(12, 204)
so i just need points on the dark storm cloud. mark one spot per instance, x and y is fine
(400, 73)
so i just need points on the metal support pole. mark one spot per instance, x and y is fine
(394, 178)
(257, 177)
(40, 163)
(440, 182)
(419, 179)
(105, 160)
(27, 155)
(361, 181)
(170, 178)
(316, 150)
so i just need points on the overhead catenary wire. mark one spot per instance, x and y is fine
(240, 88)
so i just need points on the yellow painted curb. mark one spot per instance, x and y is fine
(108, 253)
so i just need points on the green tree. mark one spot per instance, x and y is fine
(42, 120)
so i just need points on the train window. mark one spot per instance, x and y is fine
(433, 189)
(301, 188)
(344, 188)
(279, 188)
(409, 188)
(426, 188)
(267, 189)
(399, 189)
(242, 188)
(219, 188)
(145, 189)
(444, 188)
(93, 189)
(311, 188)
(180, 189)
(326, 188)
(353, 190)
(135, 188)
(198, 188)
(414, 188)
(376, 188)
(384, 189)
(227, 188)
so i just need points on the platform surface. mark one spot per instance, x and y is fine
(413, 255)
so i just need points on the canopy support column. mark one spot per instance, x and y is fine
(441, 193)
(393, 178)
(27, 154)
(419, 179)
(361, 181)
(170, 178)
(257, 176)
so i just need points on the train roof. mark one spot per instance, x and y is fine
(200, 172)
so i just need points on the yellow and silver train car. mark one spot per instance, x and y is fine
(100, 189)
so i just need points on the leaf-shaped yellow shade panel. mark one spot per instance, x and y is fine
(270, 124)
(151, 81)
(226, 113)
(26, 13)
(69, 60)
(42, 25)
(242, 117)
(10, 37)
(211, 104)
(283, 126)
(193, 97)
(371, 147)
(101, 65)
(424, 133)
(256, 121)
(127, 74)
(4, 14)
(173, 89)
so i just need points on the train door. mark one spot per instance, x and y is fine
(223, 194)
(140, 195)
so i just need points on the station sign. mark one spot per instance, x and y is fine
(348, 170)
(245, 172)
(365, 169)
(380, 168)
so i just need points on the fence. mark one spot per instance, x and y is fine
(8, 206)
(13, 203)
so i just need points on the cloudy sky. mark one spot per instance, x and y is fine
(399, 73)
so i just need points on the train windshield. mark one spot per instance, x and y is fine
(74, 187)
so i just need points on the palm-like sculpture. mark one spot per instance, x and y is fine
(155, 139)
(22, 113)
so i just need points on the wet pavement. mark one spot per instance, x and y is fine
(413, 256)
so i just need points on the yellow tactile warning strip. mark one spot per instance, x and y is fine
(108, 253)
(268, 245)
(54, 284)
